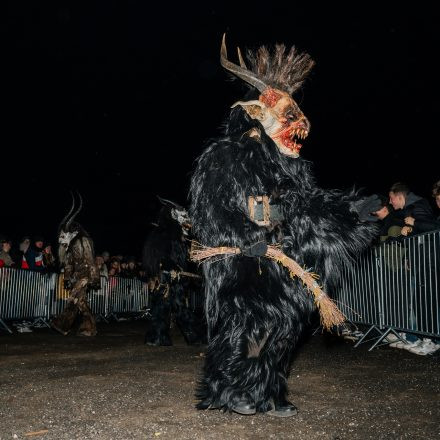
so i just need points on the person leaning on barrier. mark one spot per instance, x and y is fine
(390, 222)
(102, 268)
(27, 254)
(49, 260)
(38, 248)
(416, 210)
(131, 270)
(114, 269)
(419, 218)
(390, 231)
(5, 257)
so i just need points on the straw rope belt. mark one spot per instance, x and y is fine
(329, 313)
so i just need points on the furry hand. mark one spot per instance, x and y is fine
(366, 207)
(258, 249)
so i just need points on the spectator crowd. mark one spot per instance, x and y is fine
(36, 254)
(403, 213)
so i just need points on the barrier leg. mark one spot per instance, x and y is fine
(362, 340)
(43, 322)
(3, 324)
(317, 330)
(100, 317)
(382, 341)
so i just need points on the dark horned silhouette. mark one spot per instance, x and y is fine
(76, 256)
(171, 277)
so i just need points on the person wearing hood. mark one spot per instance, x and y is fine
(416, 210)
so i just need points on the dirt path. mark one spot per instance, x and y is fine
(115, 387)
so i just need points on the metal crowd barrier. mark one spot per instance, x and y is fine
(394, 288)
(390, 288)
(28, 295)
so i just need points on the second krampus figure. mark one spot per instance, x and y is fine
(171, 278)
(77, 258)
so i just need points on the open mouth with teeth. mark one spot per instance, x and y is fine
(289, 137)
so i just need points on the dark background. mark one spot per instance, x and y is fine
(116, 99)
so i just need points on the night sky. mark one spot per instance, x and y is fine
(116, 100)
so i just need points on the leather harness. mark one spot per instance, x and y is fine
(262, 212)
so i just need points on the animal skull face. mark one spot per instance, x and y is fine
(181, 216)
(281, 118)
(66, 237)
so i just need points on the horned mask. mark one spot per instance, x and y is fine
(276, 76)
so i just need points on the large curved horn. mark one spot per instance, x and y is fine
(70, 212)
(241, 72)
(240, 58)
(76, 212)
(168, 203)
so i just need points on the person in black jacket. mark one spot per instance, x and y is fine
(416, 211)
(419, 218)
(390, 221)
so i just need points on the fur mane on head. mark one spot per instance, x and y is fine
(279, 68)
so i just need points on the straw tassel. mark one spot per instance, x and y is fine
(329, 313)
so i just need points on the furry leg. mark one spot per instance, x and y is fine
(245, 363)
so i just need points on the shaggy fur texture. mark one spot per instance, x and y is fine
(167, 249)
(255, 312)
(80, 275)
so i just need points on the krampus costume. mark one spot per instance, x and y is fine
(76, 256)
(250, 192)
(171, 277)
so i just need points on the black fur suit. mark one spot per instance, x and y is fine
(165, 257)
(255, 311)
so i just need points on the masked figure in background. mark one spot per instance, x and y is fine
(77, 258)
(171, 278)
(251, 192)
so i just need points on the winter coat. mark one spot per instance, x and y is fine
(420, 209)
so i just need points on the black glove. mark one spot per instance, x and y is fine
(258, 249)
(366, 207)
(67, 284)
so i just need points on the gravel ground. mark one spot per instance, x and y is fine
(115, 387)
